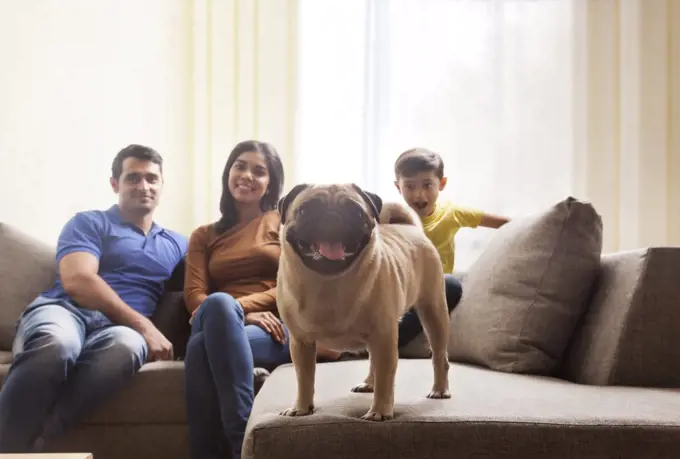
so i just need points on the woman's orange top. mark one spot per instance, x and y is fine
(242, 262)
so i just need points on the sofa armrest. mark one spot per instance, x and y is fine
(629, 335)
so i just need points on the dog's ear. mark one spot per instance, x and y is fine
(373, 200)
(285, 201)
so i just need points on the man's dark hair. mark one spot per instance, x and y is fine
(417, 160)
(136, 151)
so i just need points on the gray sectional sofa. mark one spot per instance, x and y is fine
(558, 351)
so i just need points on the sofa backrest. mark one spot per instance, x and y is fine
(26, 269)
(628, 336)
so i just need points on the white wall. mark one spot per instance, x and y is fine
(79, 80)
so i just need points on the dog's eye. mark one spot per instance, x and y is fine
(301, 211)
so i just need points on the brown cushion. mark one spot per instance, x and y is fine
(525, 294)
(154, 396)
(27, 267)
(176, 281)
(122, 441)
(172, 319)
(490, 415)
(417, 348)
(5, 357)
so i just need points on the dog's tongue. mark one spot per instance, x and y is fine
(332, 250)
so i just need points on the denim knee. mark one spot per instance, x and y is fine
(50, 350)
(220, 307)
(121, 349)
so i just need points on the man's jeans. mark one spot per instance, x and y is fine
(66, 361)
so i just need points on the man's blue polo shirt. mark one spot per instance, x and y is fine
(134, 265)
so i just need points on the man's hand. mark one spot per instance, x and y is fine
(269, 323)
(159, 346)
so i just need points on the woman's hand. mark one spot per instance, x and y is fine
(269, 323)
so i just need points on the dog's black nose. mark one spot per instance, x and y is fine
(330, 225)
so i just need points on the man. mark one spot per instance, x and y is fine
(84, 338)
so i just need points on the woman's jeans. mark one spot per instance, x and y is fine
(219, 362)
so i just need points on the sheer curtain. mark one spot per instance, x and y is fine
(486, 83)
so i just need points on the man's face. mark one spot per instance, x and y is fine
(139, 186)
(421, 191)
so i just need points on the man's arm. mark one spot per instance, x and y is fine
(493, 221)
(78, 273)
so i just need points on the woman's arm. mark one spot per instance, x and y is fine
(196, 274)
(258, 302)
(266, 301)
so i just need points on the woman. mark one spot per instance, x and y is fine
(230, 290)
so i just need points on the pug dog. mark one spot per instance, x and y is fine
(349, 269)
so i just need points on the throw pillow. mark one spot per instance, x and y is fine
(525, 294)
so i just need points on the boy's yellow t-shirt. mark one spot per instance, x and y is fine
(442, 225)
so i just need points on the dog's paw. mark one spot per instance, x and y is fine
(439, 394)
(376, 416)
(298, 412)
(362, 388)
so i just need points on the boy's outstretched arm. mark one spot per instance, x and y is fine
(493, 221)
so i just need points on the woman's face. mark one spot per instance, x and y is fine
(249, 178)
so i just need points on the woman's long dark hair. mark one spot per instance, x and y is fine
(272, 195)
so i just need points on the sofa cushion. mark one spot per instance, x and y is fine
(27, 267)
(5, 357)
(417, 348)
(121, 441)
(629, 336)
(154, 396)
(491, 415)
(526, 292)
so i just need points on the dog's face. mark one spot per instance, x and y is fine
(329, 225)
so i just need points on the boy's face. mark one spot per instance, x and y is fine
(420, 191)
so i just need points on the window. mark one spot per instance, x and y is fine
(486, 83)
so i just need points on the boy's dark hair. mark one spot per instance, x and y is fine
(140, 152)
(417, 160)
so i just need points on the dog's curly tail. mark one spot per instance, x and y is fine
(395, 213)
